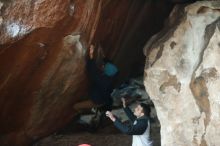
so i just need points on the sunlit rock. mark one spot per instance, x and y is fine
(20, 17)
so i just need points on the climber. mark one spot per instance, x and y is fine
(101, 79)
(139, 125)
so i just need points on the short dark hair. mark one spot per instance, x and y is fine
(146, 109)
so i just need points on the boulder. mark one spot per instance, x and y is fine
(182, 75)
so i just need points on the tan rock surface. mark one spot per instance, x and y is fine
(182, 75)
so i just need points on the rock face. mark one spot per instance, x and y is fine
(182, 75)
(42, 56)
(42, 65)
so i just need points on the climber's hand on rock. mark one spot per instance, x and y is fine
(91, 51)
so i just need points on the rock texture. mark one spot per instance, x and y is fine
(42, 56)
(182, 75)
(42, 65)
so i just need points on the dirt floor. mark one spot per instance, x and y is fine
(107, 135)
